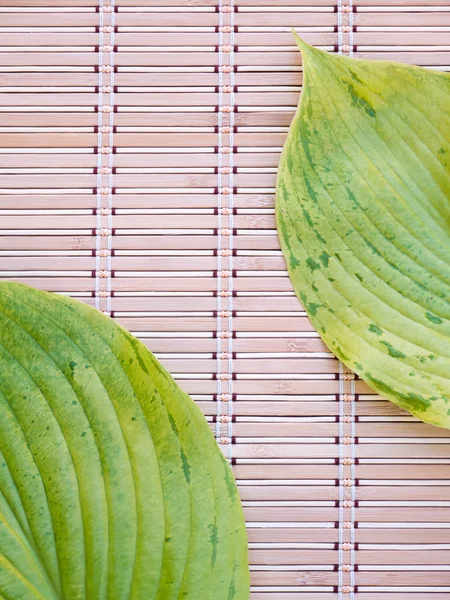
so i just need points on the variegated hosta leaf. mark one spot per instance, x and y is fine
(363, 216)
(111, 484)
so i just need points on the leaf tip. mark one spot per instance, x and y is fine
(304, 46)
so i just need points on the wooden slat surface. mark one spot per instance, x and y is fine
(345, 495)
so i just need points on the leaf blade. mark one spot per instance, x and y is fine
(364, 225)
(135, 459)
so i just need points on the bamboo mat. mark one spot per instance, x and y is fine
(139, 145)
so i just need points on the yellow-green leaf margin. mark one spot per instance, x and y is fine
(363, 216)
(111, 484)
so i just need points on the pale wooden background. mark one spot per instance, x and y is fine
(170, 228)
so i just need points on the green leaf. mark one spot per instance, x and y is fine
(111, 483)
(363, 216)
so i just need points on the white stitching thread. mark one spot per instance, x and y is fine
(99, 160)
(351, 42)
(231, 240)
(341, 478)
(225, 224)
(347, 485)
(339, 25)
(111, 156)
(353, 476)
(104, 177)
(220, 227)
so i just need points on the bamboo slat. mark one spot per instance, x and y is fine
(337, 508)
